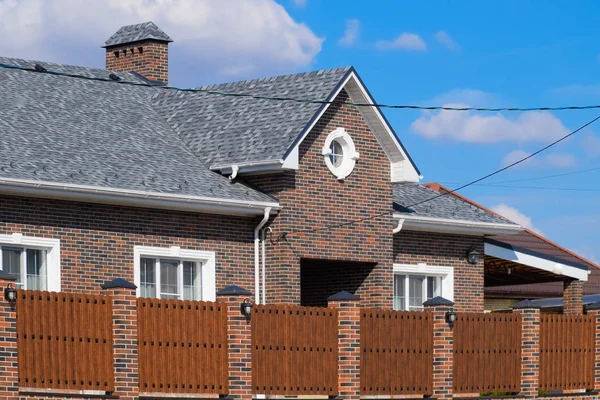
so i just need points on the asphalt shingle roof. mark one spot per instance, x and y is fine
(76, 131)
(233, 130)
(136, 33)
(446, 207)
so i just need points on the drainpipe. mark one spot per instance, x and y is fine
(256, 255)
(264, 268)
(398, 228)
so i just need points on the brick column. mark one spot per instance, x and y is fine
(594, 310)
(443, 347)
(348, 344)
(573, 297)
(530, 347)
(9, 373)
(239, 338)
(125, 337)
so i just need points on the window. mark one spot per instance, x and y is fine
(340, 154)
(413, 285)
(174, 273)
(34, 262)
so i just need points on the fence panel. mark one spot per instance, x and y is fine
(396, 352)
(487, 353)
(182, 346)
(64, 341)
(294, 350)
(566, 352)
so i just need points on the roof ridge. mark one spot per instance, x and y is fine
(435, 185)
(271, 78)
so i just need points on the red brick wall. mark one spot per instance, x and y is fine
(573, 297)
(97, 240)
(148, 58)
(313, 197)
(446, 250)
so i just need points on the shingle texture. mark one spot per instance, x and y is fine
(447, 207)
(233, 130)
(75, 131)
(137, 33)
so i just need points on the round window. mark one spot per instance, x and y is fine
(340, 154)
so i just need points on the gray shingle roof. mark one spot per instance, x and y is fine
(136, 33)
(446, 207)
(233, 130)
(75, 131)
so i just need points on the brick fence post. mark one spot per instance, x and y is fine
(348, 308)
(573, 297)
(125, 337)
(239, 342)
(594, 311)
(530, 347)
(9, 372)
(443, 347)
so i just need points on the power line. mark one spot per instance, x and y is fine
(540, 187)
(510, 165)
(534, 178)
(299, 100)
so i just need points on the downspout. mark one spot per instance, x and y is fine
(264, 268)
(398, 228)
(256, 255)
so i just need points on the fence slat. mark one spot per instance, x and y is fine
(64, 340)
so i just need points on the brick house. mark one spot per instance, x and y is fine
(184, 193)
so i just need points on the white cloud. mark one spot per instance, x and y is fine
(591, 145)
(300, 3)
(351, 33)
(516, 216)
(406, 41)
(467, 126)
(556, 160)
(445, 39)
(214, 37)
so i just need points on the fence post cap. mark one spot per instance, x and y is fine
(234, 290)
(525, 304)
(343, 296)
(7, 277)
(593, 306)
(118, 283)
(438, 301)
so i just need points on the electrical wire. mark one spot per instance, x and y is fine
(567, 189)
(532, 179)
(299, 100)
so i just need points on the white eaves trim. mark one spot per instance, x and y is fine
(442, 225)
(135, 198)
(401, 168)
(535, 262)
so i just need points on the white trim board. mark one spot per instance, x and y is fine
(535, 262)
(443, 225)
(209, 291)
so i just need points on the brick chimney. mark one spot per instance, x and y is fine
(143, 48)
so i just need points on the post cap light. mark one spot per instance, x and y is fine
(10, 294)
(451, 316)
(246, 308)
(473, 255)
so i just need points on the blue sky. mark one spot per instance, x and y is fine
(509, 53)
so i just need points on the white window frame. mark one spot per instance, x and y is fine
(52, 248)
(206, 258)
(422, 269)
(350, 155)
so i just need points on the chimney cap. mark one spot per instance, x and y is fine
(137, 33)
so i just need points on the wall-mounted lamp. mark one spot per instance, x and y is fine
(246, 308)
(473, 255)
(450, 316)
(10, 294)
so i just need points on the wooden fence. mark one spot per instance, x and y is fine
(64, 341)
(566, 352)
(396, 352)
(182, 346)
(294, 350)
(487, 353)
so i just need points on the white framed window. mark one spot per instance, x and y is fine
(415, 284)
(33, 261)
(174, 273)
(340, 153)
